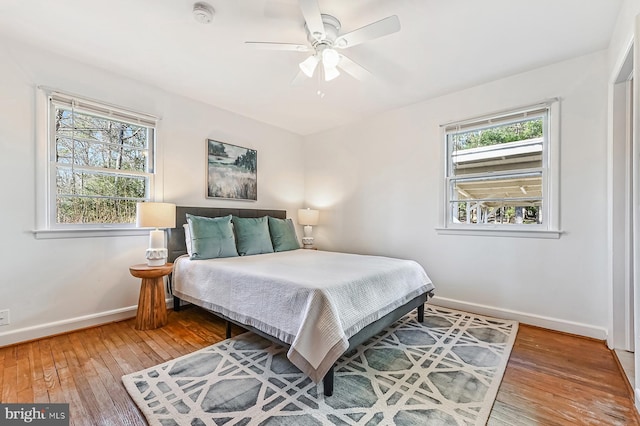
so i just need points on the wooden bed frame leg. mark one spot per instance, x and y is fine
(176, 304)
(421, 313)
(327, 381)
(228, 330)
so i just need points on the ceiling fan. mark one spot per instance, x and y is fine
(325, 41)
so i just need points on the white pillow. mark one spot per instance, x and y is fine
(187, 238)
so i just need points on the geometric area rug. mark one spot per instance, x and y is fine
(445, 371)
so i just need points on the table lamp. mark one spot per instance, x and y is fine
(308, 218)
(156, 215)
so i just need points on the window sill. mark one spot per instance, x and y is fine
(46, 234)
(501, 232)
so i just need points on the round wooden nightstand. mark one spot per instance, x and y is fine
(152, 309)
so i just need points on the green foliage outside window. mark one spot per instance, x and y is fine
(514, 132)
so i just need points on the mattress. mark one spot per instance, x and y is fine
(312, 300)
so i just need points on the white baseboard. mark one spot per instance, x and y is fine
(63, 326)
(557, 324)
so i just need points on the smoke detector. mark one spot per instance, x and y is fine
(203, 12)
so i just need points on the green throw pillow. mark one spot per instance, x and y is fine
(283, 234)
(211, 237)
(252, 235)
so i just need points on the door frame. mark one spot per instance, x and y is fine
(622, 173)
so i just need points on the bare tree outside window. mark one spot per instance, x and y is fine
(103, 166)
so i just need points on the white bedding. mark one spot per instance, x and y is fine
(312, 300)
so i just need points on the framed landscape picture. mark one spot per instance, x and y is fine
(232, 171)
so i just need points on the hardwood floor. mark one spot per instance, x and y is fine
(558, 379)
(551, 378)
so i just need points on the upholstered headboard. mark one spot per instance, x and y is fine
(176, 242)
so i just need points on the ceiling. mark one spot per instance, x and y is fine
(443, 46)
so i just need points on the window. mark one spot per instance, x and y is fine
(500, 172)
(101, 162)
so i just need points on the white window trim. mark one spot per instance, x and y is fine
(551, 183)
(46, 234)
(44, 228)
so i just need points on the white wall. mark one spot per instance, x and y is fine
(60, 284)
(379, 185)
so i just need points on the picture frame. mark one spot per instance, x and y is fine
(232, 171)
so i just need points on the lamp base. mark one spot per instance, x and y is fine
(156, 257)
(307, 242)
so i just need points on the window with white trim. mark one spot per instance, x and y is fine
(499, 171)
(100, 163)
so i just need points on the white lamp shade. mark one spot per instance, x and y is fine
(330, 58)
(330, 73)
(156, 215)
(308, 66)
(308, 217)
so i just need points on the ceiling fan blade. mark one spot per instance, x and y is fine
(313, 18)
(355, 70)
(277, 46)
(381, 28)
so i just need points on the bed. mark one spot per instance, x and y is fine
(318, 304)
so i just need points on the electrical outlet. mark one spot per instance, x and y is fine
(4, 317)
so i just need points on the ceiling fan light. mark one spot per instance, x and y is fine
(330, 58)
(330, 73)
(308, 66)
